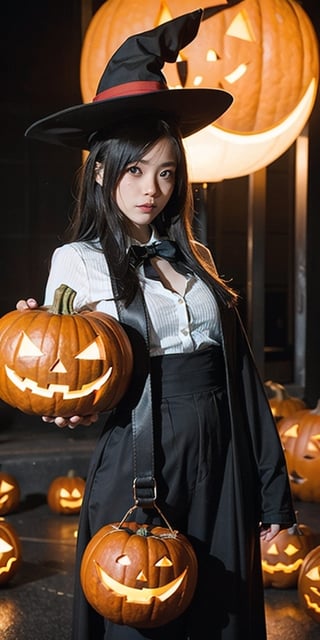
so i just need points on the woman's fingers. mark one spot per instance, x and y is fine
(30, 303)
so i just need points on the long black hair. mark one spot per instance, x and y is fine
(98, 217)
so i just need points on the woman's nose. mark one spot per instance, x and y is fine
(150, 187)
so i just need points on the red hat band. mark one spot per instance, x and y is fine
(130, 88)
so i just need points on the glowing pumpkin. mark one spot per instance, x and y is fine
(65, 493)
(265, 52)
(57, 362)
(10, 551)
(9, 493)
(309, 584)
(282, 404)
(300, 435)
(282, 557)
(139, 575)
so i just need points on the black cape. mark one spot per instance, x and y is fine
(256, 488)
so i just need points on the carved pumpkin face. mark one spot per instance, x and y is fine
(10, 552)
(300, 435)
(65, 493)
(9, 493)
(309, 584)
(264, 52)
(63, 364)
(139, 575)
(282, 557)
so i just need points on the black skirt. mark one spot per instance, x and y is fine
(193, 470)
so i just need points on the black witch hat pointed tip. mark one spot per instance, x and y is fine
(133, 83)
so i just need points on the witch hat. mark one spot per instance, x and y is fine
(133, 84)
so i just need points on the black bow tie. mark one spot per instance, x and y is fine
(164, 249)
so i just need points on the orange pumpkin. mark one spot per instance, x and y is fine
(65, 493)
(9, 493)
(282, 557)
(139, 575)
(264, 52)
(282, 404)
(10, 551)
(57, 362)
(300, 435)
(309, 584)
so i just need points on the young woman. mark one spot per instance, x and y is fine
(219, 466)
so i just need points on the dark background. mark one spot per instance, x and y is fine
(40, 54)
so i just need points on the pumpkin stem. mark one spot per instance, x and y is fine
(63, 300)
(279, 390)
(316, 410)
(142, 531)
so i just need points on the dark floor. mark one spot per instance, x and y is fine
(36, 604)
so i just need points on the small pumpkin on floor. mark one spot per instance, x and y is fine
(282, 403)
(65, 493)
(282, 557)
(309, 584)
(10, 551)
(9, 493)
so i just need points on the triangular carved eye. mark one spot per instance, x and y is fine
(5, 487)
(164, 562)
(124, 560)
(314, 573)
(28, 348)
(290, 550)
(5, 547)
(241, 28)
(94, 351)
(292, 432)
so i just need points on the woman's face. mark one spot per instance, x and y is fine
(146, 187)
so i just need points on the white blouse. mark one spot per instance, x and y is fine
(177, 323)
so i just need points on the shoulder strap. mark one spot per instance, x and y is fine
(144, 484)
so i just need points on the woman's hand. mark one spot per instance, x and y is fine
(73, 421)
(30, 303)
(269, 531)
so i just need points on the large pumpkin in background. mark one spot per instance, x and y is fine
(265, 52)
(56, 362)
(139, 575)
(300, 436)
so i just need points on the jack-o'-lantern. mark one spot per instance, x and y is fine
(65, 493)
(300, 435)
(10, 551)
(282, 557)
(139, 575)
(9, 493)
(309, 584)
(264, 52)
(281, 403)
(56, 362)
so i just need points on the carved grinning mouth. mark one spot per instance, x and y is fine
(25, 384)
(144, 595)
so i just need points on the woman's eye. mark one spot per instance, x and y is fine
(167, 173)
(133, 170)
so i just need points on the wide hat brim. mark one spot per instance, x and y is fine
(192, 109)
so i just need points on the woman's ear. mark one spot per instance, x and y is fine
(99, 171)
